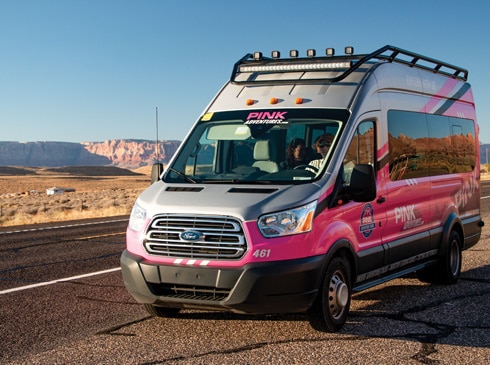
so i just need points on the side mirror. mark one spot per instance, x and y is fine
(362, 187)
(156, 172)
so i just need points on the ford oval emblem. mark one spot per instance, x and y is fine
(191, 236)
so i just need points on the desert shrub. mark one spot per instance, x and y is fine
(8, 212)
(30, 210)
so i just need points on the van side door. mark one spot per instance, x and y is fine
(366, 219)
(407, 189)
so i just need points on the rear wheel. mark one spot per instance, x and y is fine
(450, 265)
(331, 307)
(448, 269)
(161, 311)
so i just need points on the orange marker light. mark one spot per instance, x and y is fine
(250, 102)
(298, 101)
(274, 100)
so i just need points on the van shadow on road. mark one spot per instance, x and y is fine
(404, 309)
(457, 315)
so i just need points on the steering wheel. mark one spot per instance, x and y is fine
(311, 168)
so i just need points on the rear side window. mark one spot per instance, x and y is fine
(429, 145)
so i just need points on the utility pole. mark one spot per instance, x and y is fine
(156, 142)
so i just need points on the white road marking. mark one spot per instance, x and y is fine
(26, 287)
(64, 226)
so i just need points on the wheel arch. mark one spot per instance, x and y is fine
(342, 248)
(453, 222)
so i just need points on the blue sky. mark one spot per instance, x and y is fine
(92, 70)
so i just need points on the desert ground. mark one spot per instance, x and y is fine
(98, 192)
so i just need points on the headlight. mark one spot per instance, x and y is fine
(287, 222)
(137, 219)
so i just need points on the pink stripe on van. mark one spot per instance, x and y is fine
(443, 92)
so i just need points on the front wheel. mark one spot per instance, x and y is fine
(331, 307)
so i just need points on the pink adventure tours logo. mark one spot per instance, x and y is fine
(275, 117)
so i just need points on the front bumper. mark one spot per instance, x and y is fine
(258, 288)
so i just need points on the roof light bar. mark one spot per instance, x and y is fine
(320, 66)
(345, 65)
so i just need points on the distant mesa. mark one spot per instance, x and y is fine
(123, 153)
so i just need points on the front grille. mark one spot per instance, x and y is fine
(217, 237)
(189, 292)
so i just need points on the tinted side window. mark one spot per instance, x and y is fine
(362, 149)
(429, 145)
(441, 147)
(409, 145)
(464, 145)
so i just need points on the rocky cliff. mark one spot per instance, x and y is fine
(121, 153)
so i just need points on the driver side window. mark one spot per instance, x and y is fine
(362, 148)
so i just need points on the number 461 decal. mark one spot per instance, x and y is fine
(262, 253)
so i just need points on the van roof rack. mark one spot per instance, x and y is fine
(255, 63)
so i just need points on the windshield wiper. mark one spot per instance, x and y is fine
(182, 175)
(238, 181)
(222, 181)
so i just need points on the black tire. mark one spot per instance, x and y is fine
(161, 311)
(331, 307)
(448, 269)
(450, 264)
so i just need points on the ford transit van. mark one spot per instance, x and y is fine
(307, 179)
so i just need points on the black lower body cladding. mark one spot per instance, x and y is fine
(259, 288)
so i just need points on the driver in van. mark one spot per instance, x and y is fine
(296, 154)
(322, 146)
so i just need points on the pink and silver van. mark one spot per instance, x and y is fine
(307, 179)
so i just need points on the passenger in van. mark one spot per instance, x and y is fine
(296, 154)
(322, 146)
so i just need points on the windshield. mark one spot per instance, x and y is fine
(280, 146)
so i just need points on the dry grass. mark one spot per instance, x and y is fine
(98, 193)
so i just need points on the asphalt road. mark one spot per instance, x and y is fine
(62, 300)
